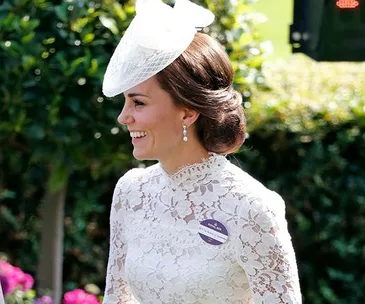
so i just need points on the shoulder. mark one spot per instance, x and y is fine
(253, 193)
(129, 184)
(134, 177)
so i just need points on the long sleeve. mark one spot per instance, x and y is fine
(264, 250)
(116, 290)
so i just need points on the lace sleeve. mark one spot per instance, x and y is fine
(266, 253)
(116, 290)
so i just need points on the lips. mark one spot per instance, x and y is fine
(138, 134)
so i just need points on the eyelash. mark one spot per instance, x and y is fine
(138, 103)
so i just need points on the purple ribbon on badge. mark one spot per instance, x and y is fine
(213, 232)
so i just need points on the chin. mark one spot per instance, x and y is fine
(140, 155)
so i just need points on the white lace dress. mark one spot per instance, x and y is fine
(158, 254)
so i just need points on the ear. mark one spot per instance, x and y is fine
(190, 116)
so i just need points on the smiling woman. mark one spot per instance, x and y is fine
(192, 228)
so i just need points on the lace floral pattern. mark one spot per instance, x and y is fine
(156, 253)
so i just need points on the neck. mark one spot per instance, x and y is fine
(188, 154)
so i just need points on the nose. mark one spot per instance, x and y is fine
(125, 117)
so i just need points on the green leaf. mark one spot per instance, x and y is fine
(61, 58)
(119, 11)
(28, 62)
(7, 23)
(9, 217)
(7, 194)
(74, 65)
(49, 40)
(13, 48)
(28, 38)
(78, 24)
(61, 12)
(29, 25)
(35, 131)
(93, 67)
(88, 38)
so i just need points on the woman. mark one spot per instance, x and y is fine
(192, 228)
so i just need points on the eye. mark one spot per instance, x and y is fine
(138, 103)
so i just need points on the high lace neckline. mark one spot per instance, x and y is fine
(196, 171)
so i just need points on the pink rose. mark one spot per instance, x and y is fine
(13, 277)
(79, 296)
(28, 282)
(7, 277)
(44, 300)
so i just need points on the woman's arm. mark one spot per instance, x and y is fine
(265, 251)
(116, 290)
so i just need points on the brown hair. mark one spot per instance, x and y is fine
(201, 79)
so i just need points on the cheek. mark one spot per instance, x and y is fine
(167, 130)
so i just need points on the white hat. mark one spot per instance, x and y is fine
(157, 35)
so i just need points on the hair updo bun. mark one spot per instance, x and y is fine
(201, 78)
(226, 133)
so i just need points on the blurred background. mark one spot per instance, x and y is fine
(62, 150)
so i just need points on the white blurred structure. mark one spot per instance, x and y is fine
(1, 296)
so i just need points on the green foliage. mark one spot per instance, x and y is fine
(235, 27)
(21, 297)
(55, 57)
(307, 142)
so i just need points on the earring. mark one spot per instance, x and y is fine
(185, 133)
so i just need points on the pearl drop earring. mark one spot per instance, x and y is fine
(185, 133)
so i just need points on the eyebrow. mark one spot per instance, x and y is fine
(131, 95)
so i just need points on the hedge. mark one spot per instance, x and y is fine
(307, 141)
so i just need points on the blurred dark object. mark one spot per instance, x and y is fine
(329, 30)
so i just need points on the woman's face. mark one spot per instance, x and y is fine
(154, 122)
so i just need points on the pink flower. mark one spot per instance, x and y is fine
(8, 277)
(44, 300)
(28, 282)
(79, 296)
(13, 277)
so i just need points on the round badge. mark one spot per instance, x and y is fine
(213, 232)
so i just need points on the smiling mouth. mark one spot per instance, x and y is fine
(136, 135)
